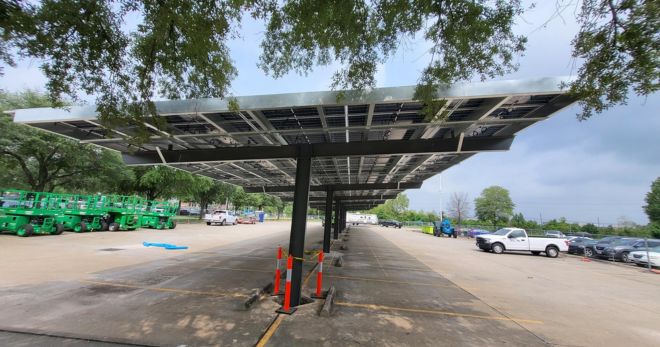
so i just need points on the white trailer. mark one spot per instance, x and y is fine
(357, 219)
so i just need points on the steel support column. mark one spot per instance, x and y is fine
(343, 218)
(328, 221)
(299, 221)
(337, 213)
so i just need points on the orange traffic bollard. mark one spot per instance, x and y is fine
(287, 289)
(278, 274)
(319, 280)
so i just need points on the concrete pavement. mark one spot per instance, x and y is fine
(396, 287)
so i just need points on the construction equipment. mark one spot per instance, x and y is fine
(81, 213)
(27, 213)
(444, 228)
(122, 211)
(159, 214)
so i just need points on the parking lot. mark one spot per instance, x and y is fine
(396, 287)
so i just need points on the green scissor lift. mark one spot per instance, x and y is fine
(159, 214)
(122, 211)
(81, 213)
(26, 213)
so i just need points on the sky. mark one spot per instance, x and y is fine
(594, 171)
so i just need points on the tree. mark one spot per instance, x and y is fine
(399, 204)
(40, 161)
(518, 220)
(652, 207)
(494, 205)
(179, 49)
(590, 228)
(619, 44)
(459, 207)
(206, 191)
(162, 182)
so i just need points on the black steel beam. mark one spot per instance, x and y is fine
(342, 149)
(337, 212)
(313, 199)
(337, 187)
(328, 221)
(299, 223)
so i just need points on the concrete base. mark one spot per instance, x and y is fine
(290, 311)
(328, 305)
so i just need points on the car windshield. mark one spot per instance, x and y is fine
(502, 232)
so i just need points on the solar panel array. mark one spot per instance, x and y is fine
(387, 114)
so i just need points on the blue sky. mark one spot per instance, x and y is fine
(595, 170)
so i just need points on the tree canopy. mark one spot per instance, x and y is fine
(652, 207)
(40, 161)
(494, 205)
(179, 48)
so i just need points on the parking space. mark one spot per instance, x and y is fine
(396, 287)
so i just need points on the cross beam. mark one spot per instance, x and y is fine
(348, 199)
(387, 147)
(338, 187)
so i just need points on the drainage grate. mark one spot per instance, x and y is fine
(111, 249)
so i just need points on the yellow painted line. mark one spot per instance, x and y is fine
(444, 313)
(271, 330)
(391, 281)
(169, 290)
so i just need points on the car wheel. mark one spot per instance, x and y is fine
(552, 252)
(588, 252)
(113, 227)
(222, 223)
(104, 226)
(208, 223)
(497, 248)
(536, 252)
(625, 257)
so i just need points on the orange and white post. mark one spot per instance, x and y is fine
(278, 273)
(286, 308)
(319, 279)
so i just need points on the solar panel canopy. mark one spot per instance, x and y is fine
(367, 146)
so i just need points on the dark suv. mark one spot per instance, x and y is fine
(619, 250)
(391, 223)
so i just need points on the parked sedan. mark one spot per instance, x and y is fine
(620, 250)
(639, 257)
(610, 250)
(577, 245)
(598, 248)
(391, 223)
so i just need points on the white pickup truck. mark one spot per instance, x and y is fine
(221, 217)
(515, 239)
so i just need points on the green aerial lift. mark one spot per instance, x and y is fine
(26, 213)
(159, 214)
(122, 211)
(81, 213)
